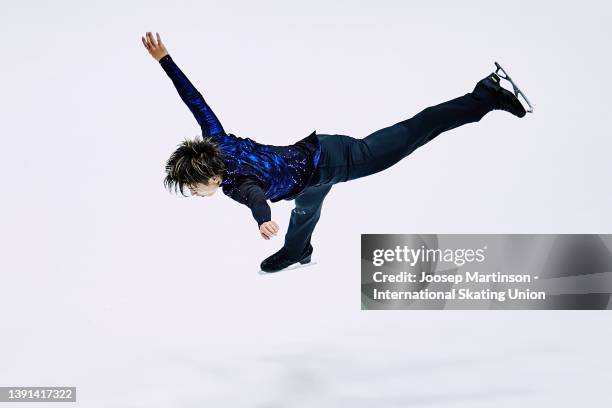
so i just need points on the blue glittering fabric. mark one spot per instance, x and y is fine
(282, 171)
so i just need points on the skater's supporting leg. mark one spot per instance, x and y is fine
(304, 218)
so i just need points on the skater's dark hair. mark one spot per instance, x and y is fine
(194, 161)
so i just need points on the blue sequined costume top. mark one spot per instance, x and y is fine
(280, 171)
(283, 171)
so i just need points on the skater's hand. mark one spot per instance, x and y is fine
(156, 48)
(268, 229)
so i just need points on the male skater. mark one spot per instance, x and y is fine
(251, 172)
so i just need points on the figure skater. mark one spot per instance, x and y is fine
(251, 173)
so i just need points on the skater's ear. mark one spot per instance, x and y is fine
(216, 180)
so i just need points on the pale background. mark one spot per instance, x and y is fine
(144, 299)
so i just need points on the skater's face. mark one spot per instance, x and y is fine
(205, 190)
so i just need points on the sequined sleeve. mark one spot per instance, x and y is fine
(250, 193)
(211, 126)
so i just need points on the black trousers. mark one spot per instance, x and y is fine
(345, 158)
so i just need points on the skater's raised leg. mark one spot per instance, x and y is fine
(385, 147)
(304, 218)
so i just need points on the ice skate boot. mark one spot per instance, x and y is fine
(281, 260)
(490, 89)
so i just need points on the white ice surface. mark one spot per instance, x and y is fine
(143, 299)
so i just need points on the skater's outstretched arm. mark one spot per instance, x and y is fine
(250, 193)
(211, 126)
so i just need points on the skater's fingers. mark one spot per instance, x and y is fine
(269, 229)
(148, 43)
(263, 231)
(151, 39)
(145, 43)
(273, 228)
(159, 40)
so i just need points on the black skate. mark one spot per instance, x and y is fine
(490, 89)
(279, 260)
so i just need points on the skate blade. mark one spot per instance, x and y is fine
(517, 90)
(296, 265)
